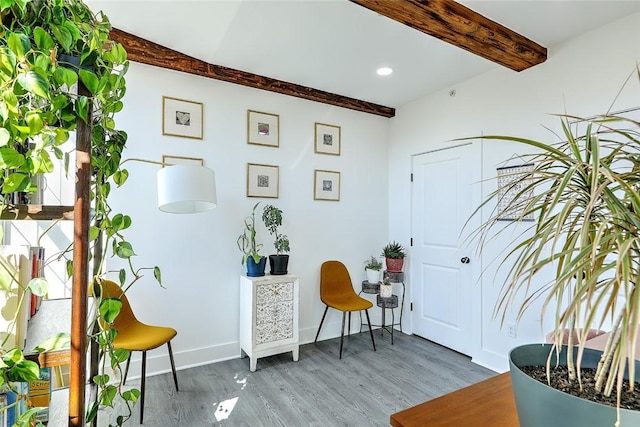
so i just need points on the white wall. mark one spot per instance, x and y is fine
(580, 77)
(197, 253)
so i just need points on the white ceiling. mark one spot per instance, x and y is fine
(336, 45)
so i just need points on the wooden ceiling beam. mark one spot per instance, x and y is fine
(460, 26)
(150, 53)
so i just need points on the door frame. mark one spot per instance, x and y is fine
(476, 264)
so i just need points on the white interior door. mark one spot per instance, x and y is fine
(442, 270)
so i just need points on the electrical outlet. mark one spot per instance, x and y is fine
(511, 330)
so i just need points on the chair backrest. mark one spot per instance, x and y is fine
(111, 289)
(334, 281)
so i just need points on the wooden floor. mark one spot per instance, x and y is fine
(362, 389)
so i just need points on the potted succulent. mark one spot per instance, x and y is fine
(272, 218)
(584, 194)
(250, 248)
(386, 288)
(394, 255)
(373, 266)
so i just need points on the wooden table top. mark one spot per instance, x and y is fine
(488, 403)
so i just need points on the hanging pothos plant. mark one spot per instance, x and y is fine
(46, 48)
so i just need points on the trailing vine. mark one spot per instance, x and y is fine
(47, 48)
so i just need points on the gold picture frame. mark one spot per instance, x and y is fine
(263, 128)
(263, 181)
(182, 118)
(169, 160)
(326, 185)
(327, 139)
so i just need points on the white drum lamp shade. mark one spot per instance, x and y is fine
(186, 189)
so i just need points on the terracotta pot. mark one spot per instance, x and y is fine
(394, 265)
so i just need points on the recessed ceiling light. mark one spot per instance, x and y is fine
(384, 71)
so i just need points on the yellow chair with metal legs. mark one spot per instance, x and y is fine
(336, 291)
(134, 335)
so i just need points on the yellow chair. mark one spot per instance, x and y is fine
(336, 291)
(134, 335)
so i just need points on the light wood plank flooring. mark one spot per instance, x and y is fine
(362, 389)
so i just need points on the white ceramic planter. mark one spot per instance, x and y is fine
(386, 291)
(373, 276)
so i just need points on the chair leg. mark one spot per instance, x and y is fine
(321, 322)
(349, 330)
(126, 369)
(370, 330)
(173, 366)
(344, 314)
(144, 374)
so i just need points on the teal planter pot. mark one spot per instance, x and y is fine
(256, 270)
(539, 405)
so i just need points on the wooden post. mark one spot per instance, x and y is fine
(78, 372)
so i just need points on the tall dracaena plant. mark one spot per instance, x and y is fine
(46, 48)
(584, 194)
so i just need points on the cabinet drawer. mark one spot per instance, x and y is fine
(269, 292)
(276, 330)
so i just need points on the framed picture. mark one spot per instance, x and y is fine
(181, 118)
(327, 139)
(326, 185)
(263, 128)
(180, 160)
(514, 191)
(263, 181)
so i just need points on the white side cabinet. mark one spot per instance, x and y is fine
(268, 316)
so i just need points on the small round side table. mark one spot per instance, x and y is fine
(370, 288)
(387, 303)
(397, 277)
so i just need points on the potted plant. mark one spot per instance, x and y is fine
(584, 194)
(50, 47)
(272, 218)
(373, 266)
(394, 255)
(386, 288)
(250, 248)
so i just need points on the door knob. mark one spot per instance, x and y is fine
(465, 260)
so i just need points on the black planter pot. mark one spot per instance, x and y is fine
(539, 405)
(278, 264)
(256, 270)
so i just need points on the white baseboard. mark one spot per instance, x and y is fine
(491, 360)
(158, 359)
